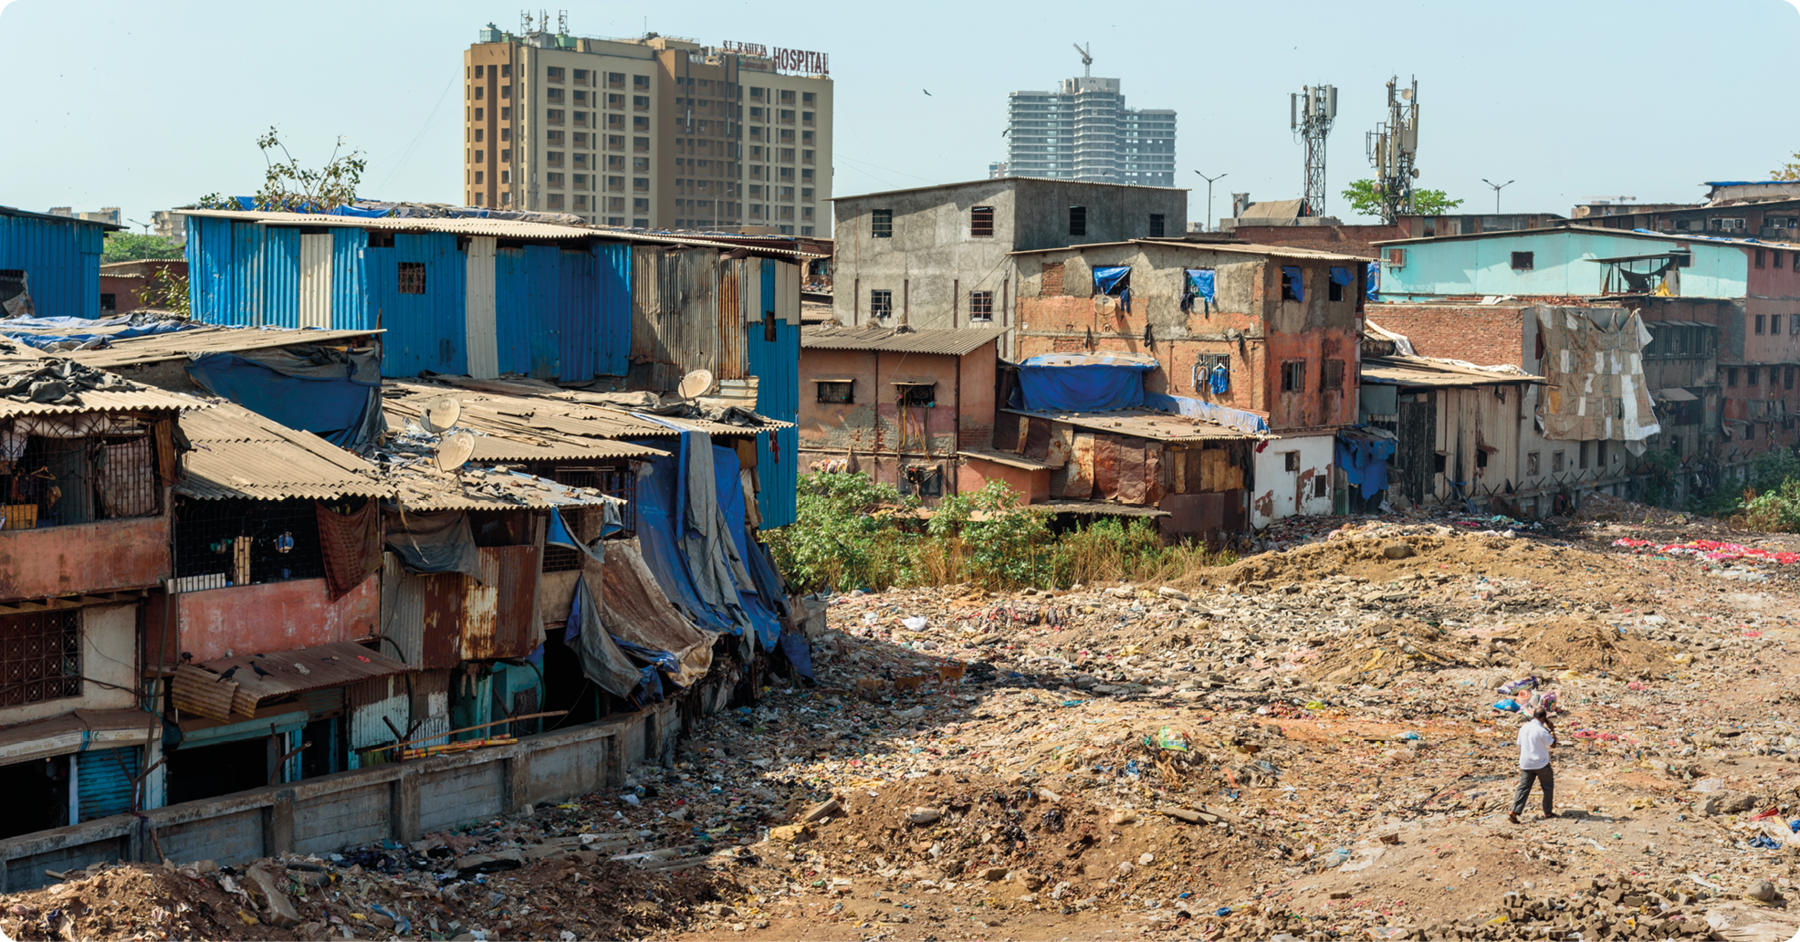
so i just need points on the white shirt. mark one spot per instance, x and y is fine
(1534, 745)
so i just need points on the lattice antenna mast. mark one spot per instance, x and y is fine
(1087, 59)
(1392, 147)
(1311, 113)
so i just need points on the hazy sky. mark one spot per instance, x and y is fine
(149, 105)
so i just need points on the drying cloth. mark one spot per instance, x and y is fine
(601, 660)
(351, 545)
(1292, 280)
(1220, 378)
(1364, 462)
(433, 542)
(1374, 290)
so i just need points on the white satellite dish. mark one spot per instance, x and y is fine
(695, 384)
(441, 413)
(454, 450)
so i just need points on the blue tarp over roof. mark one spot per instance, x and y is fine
(1082, 383)
(1106, 279)
(334, 407)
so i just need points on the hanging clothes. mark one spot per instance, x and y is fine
(1219, 378)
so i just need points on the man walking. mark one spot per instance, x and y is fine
(1536, 738)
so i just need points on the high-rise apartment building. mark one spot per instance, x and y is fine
(1083, 131)
(655, 132)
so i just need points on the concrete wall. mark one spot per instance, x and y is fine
(1560, 265)
(274, 616)
(1347, 240)
(108, 654)
(399, 801)
(1280, 492)
(972, 474)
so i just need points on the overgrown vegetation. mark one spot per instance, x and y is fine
(1364, 196)
(853, 533)
(290, 188)
(166, 290)
(1769, 501)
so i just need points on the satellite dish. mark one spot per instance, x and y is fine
(441, 413)
(695, 384)
(454, 451)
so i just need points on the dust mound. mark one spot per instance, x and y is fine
(1395, 646)
(1589, 645)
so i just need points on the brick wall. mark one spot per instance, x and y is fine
(1345, 240)
(1488, 335)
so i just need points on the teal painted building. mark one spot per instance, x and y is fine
(1562, 262)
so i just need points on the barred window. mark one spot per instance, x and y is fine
(981, 305)
(412, 277)
(40, 657)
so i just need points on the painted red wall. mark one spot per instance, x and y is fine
(91, 557)
(274, 616)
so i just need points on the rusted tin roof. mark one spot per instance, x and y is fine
(422, 487)
(526, 428)
(335, 664)
(1146, 423)
(179, 345)
(949, 341)
(238, 453)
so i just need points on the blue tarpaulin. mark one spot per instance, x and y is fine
(1364, 461)
(1374, 281)
(331, 400)
(662, 549)
(1071, 383)
(1107, 279)
(1290, 274)
(1341, 276)
(731, 504)
(559, 535)
(1210, 411)
(31, 331)
(1200, 280)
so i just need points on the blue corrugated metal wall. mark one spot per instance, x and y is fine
(349, 287)
(242, 274)
(105, 778)
(612, 341)
(525, 309)
(61, 262)
(578, 315)
(776, 366)
(424, 331)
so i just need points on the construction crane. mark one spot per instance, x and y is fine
(1087, 60)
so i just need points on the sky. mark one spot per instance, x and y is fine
(147, 106)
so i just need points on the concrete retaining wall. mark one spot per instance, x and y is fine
(401, 801)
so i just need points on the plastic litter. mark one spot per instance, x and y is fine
(1509, 706)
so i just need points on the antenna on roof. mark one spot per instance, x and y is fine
(454, 451)
(1087, 59)
(440, 414)
(524, 22)
(562, 22)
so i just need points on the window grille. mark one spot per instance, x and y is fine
(40, 657)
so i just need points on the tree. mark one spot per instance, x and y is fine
(1787, 171)
(166, 290)
(290, 188)
(130, 247)
(1365, 196)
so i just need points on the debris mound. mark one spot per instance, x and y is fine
(1389, 646)
(1589, 645)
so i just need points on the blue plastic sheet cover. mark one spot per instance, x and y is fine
(31, 331)
(1364, 461)
(559, 535)
(433, 542)
(1210, 411)
(339, 401)
(1374, 288)
(601, 660)
(1200, 280)
(1092, 386)
(1341, 275)
(762, 613)
(1291, 274)
(1107, 279)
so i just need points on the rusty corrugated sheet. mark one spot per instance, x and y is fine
(334, 664)
(202, 693)
(1131, 471)
(441, 603)
(498, 618)
(731, 305)
(242, 454)
(371, 701)
(1106, 467)
(959, 341)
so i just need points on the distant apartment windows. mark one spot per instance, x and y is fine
(1293, 376)
(554, 201)
(1731, 377)
(640, 82)
(478, 71)
(1522, 261)
(581, 76)
(981, 305)
(478, 135)
(787, 194)
(1793, 323)
(40, 657)
(640, 144)
(806, 175)
(480, 92)
(1774, 323)
(1760, 263)
(640, 205)
(1156, 226)
(506, 70)
(1787, 381)
(756, 92)
(881, 303)
(553, 179)
(981, 221)
(554, 73)
(1775, 258)
(478, 113)
(806, 117)
(640, 222)
(806, 193)
(506, 91)
(1331, 375)
(477, 180)
(581, 181)
(1751, 376)
(787, 155)
(555, 95)
(506, 134)
(1078, 220)
(1759, 320)
(756, 191)
(787, 96)
(807, 98)
(554, 158)
(505, 113)
(881, 223)
(554, 116)
(1725, 224)
(412, 277)
(640, 184)
(837, 391)
(480, 156)
(506, 156)
(581, 202)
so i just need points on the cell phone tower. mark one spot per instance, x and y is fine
(1393, 146)
(1311, 113)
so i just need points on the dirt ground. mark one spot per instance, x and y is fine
(1303, 745)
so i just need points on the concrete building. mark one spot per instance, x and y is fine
(123, 285)
(901, 405)
(654, 132)
(1083, 131)
(942, 256)
(109, 215)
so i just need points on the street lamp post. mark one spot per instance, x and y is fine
(1209, 183)
(1497, 188)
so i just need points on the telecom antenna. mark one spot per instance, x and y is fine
(1311, 113)
(562, 22)
(1087, 60)
(1393, 146)
(524, 22)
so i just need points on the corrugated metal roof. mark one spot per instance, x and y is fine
(499, 228)
(334, 664)
(421, 486)
(1145, 423)
(1237, 248)
(179, 345)
(17, 213)
(238, 453)
(1428, 372)
(949, 341)
(1006, 458)
(524, 428)
(129, 397)
(1691, 236)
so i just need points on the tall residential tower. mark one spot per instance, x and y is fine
(1084, 132)
(654, 132)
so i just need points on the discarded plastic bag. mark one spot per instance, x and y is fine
(915, 623)
(1509, 706)
(1171, 739)
(1519, 686)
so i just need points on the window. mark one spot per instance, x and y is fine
(1556, 462)
(1331, 375)
(554, 73)
(640, 144)
(1531, 463)
(918, 394)
(641, 81)
(554, 116)
(40, 657)
(553, 179)
(1320, 486)
(1522, 261)
(1759, 323)
(1751, 375)
(1078, 220)
(1333, 290)
(1293, 376)
(1759, 259)
(1291, 283)
(1774, 323)
(1788, 380)
(837, 391)
(1156, 225)
(881, 303)
(412, 278)
(1775, 258)
(981, 221)
(881, 223)
(1583, 453)
(1291, 461)
(1396, 258)
(981, 305)
(1731, 376)
(109, 303)
(380, 240)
